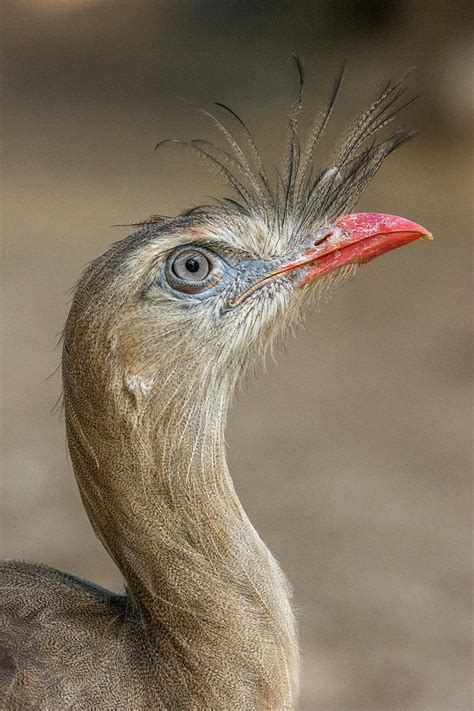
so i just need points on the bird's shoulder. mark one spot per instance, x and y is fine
(34, 592)
(57, 633)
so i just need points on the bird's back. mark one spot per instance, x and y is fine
(66, 643)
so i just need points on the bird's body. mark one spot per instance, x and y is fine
(59, 647)
(160, 331)
(70, 644)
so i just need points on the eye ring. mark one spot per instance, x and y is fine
(191, 269)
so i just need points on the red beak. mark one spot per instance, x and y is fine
(355, 238)
(351, 239)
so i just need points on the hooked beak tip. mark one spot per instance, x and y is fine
(360, 225)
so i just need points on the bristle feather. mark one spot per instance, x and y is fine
(298, 199)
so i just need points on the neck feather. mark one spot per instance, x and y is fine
(158, 492)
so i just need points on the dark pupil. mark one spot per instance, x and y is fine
(192, 265)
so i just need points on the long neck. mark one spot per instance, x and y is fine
(159, 494)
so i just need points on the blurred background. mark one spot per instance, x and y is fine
(352, 457)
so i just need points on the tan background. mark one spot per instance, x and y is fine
(352, 457)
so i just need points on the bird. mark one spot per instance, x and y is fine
(162, 328)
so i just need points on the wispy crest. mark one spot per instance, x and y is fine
(301, 195)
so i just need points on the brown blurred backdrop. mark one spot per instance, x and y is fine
(353, 456)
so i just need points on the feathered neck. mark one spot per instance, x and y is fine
(152, 474)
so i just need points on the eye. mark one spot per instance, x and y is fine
(192, 270)
(191, 266)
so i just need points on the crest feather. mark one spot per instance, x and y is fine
(301, 197)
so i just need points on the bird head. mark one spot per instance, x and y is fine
(185, 304)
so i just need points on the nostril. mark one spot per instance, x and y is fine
(322, 239)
